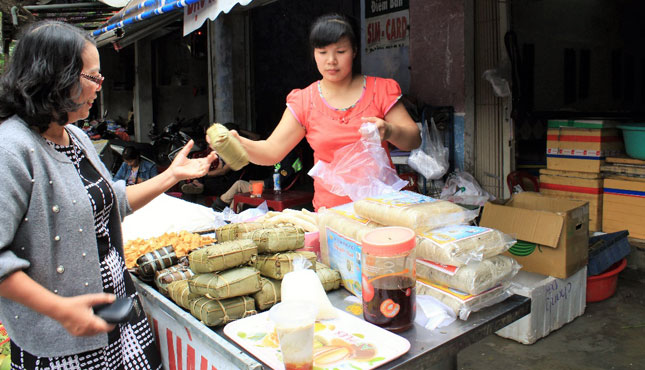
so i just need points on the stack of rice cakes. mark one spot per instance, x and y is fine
(241, 273)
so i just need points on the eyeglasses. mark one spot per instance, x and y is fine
(96, 79)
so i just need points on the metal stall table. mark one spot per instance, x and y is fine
(186, 343)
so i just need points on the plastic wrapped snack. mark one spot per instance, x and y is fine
(214, 312)
(340, 233)
(463, 303)
(457, 245)
(473, 278)
(412, 210)
(342, 221)
(230, 283)
(227, 147)
(222, 256)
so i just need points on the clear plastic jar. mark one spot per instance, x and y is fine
(389, 277)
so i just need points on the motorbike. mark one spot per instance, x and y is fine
(175, 136)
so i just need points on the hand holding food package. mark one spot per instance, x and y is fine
(227, 147)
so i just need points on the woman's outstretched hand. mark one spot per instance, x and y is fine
(184, 168)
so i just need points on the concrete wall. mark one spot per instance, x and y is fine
(437, 52)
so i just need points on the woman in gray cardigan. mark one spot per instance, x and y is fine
(61, 248)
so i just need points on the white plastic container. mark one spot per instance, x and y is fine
(554, 303)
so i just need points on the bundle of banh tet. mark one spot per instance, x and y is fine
(224, 280)
(278, 248)
(459, 264)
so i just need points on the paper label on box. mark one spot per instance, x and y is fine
(345, 257)
(347, 210)
(454, 233)
(580, 153)
(446, 269)
(401, 199)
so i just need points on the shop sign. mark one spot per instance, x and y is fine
(386, 24)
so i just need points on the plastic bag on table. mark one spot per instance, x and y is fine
(302, 284)
(359, 170)
(431, 158)
(461, 187)
(246, 215)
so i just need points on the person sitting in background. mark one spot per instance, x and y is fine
(134, 169)
(287, 168)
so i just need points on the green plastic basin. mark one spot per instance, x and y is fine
(634, 136)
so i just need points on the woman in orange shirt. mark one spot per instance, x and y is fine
(329, 112)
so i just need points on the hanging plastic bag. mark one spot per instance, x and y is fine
(359, 170)
(431, 158)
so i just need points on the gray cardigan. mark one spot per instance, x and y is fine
(48, 232)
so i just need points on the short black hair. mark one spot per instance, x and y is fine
(131, 153)
(43, 78)
(330, 28)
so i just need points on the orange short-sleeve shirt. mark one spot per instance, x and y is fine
(329, 129)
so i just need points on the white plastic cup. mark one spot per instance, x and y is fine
(294, 323)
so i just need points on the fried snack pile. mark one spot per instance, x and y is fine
(183, 242)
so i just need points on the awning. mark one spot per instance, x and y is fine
(195, 13)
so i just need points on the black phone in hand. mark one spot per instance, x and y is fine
(117, 312)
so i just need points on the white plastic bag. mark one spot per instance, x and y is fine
(302, 284)
(431, 158)
(359, 170)
(461, 187)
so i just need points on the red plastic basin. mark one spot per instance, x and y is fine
(603, 286)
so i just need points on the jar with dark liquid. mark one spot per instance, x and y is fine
(388, 277)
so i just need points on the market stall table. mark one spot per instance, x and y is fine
(187, 343)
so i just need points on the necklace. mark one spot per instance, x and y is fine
(343, 119)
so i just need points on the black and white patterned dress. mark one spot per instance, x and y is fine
(131, 345)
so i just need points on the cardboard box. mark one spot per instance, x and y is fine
(559, 229)
(624, 205)
(581, 145)
(583, 186)
(554, 303)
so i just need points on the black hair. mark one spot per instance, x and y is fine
(43, 78)
(131, 153)
(329, 28)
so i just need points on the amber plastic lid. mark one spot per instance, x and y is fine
(388, 241)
